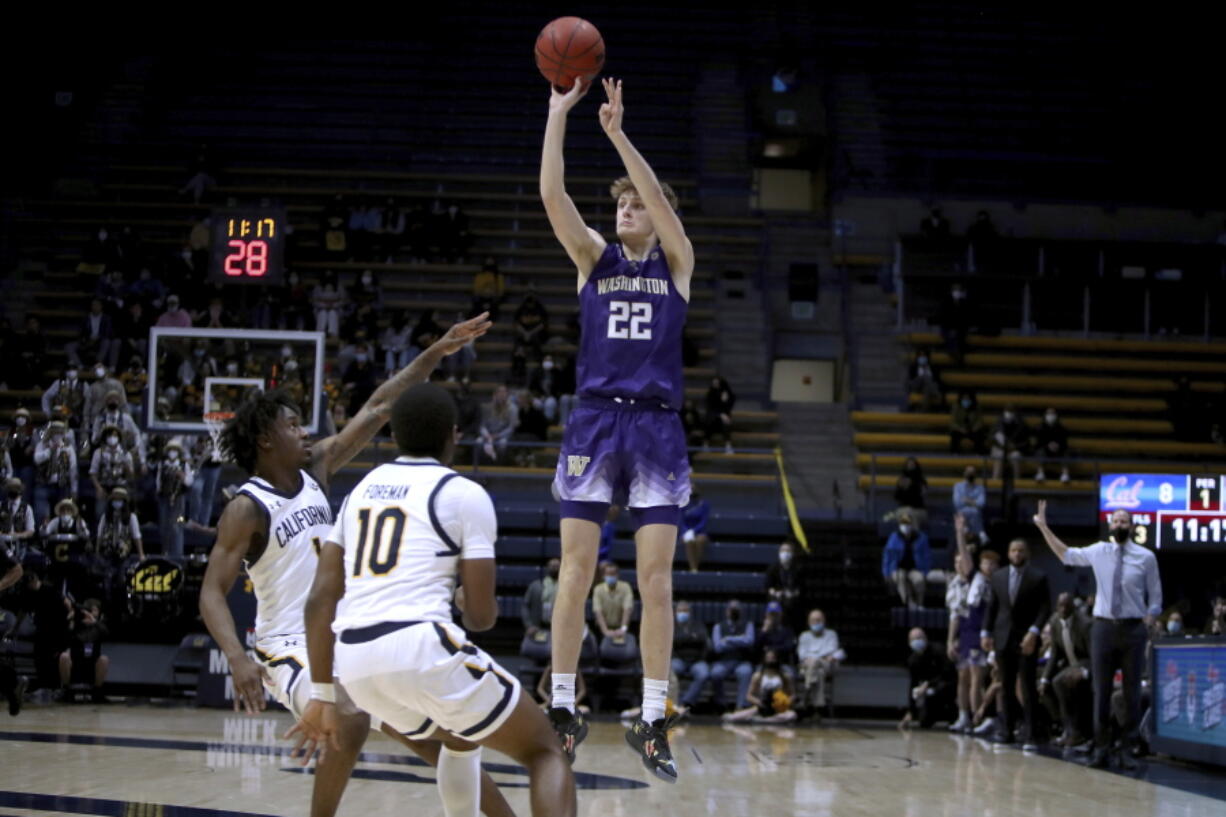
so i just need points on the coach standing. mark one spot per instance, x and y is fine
(1129, 598)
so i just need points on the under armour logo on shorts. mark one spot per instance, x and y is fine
(576, 465)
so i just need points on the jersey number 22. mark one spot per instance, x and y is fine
(630, 320)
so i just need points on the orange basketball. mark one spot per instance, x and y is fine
(567, 48)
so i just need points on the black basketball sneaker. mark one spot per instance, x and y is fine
(650, 740)
(571, 729)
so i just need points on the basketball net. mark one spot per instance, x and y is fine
(215, 421)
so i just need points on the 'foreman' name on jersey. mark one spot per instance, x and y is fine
(300, 520)
(386, 492)
(624, 283)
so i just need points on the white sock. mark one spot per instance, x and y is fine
(654, 695)
(459, 782)
(563, 692)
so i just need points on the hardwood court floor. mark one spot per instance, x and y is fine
(117, 759)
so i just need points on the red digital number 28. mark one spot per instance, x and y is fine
(249, 258)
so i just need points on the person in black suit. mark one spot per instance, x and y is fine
(1020, 606)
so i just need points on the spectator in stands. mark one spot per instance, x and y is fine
(910, 492)
(694, 517)
(489, 289)
(776, 635)
(174, 477)
(820, 655)
(17, 524)
(612, 604)
(461, 363)
(966, 598)
(966, 423)
(6, 464)
(198, 365)
(55, 461)
(691, 644)
(359, 379)
(549, 385)
(425, 332)
(366, 291)
(1174, 626)
(398, 352)
(100, 390)
(537, 609)
(215, 315)
(932, 683)
(923, 379)
(95, 338)
(132, 331)
(1010, 440)
(906, 561)
(111, 289)
(955, 317)
(468, 410)
(19, 444)
(770, 694)
(733, 645)
(499, 419)
(608, 533)
(148, 290)
(1067, 674)
(391, 228)
(533, 422)
(83, 661)
(1217, 622)
(119, 538)
(329, 300)
(207, 465)
(70, 391)
(451, 227)
(174, 316)
(983, 238)
(50, 609)
(720, 400)
(66, 541)
(935, 227)
(783, 581)
(691, 421)
(970, 497)
(112, 467)
(1051, 440)
(114, 415)
(295, 303)
(530, 331)
(1020, 606)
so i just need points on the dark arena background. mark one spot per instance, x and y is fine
(952, 261)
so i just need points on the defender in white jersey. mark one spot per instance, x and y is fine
(274, 527)
(380, 608)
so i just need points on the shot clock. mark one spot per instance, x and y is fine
(248, 246)
(1171, 511)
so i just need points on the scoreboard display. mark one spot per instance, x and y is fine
(248, 246)
(1172, 511)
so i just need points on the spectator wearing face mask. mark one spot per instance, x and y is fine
(114, 415)
(328, 299)
(104, 384)
(612, 603)
(112, 467)
(398, 352)
(1051, 442)
(694, 517)
(955, 318)
(783, 580)
(203, 492)
(932, 683)
(770, 695)
(295, 303)
(720, 402)
(906, 560)
(95, 337)
(1217, 622)
(776, 635)
(174, 316)
(359, 381)
(17, 526)
(499, 420)
(366, 291)
(691, 645)
(733, 642)
(545, 384)
(132, 330)
(820, 655)
(966, 598)
(966, 423)
(970, 497)
(923, 379)
(530, 330)
(19, 444)
(911, 492)
(1067, 674)
(69, 391)
(537, 610)
(198, 365)
(67, 542)
(55, 461)
(83, 661)
(174, 477)
(118, 543)
(1010, 440)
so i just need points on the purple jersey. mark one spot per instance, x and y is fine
(632, 318)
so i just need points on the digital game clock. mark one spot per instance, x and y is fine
(1171, 511)
(248, 246)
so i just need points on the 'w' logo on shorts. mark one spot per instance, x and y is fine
(576, 465)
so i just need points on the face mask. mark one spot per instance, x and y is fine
(682, 618)
(65, 519)
(970, 477)
(198, 352)
(611, 581)
(905, 530)
(20, 421)
(172, 456)
(771, 664)
(922, 360)
(1050, 418)
(231, 369)
(71, 374)
(785, 558)
(13, 494)
(99, 372)
(366, 279)
(734, 615)
(172, 305)
(113, 406)
(112, 440)
(117, 504)
(1174, 627)
(1009, 417)
(360, 358)
(966, 403)
(291, 365)
(1120, 535)
(958, 295)
(817, 628)
(547, 365)
(918, 644)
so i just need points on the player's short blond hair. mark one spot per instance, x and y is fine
(624, 185)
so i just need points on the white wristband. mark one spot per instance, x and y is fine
(323, 692)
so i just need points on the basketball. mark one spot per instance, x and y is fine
(567, 48)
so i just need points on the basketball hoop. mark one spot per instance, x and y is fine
(216, 421)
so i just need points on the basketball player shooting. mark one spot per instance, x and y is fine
(275, 526)
(625, 436)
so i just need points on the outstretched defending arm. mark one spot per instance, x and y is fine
(331, 454)
(676, 245)
(582, 244)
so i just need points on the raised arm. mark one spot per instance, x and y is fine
(1040, 520)
(583, 244)
(331, 454)
(241, 526)
(676, 245)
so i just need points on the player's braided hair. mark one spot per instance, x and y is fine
(239, 439)
(423, 420)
